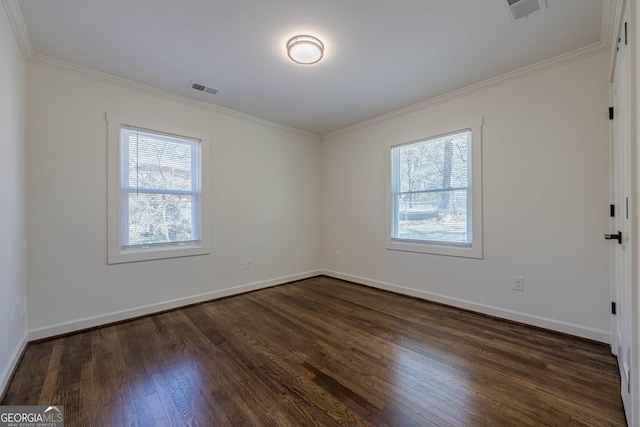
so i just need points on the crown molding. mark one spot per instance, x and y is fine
(556, 61)
(81, 71)
(14, 14)
(610, 14)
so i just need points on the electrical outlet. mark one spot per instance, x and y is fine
(518, 283)
(337, 255)
(247, 264)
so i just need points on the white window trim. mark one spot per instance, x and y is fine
(476, 248)
(115, 254)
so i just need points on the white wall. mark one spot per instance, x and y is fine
(289, 202)
(13, 233)
(265, 185)
(546, 196)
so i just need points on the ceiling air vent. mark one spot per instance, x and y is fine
(519, 9)
(203, 88)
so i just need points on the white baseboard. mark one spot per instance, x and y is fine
(90, 322)
(529, 319)
(7, 370)
(103, 319)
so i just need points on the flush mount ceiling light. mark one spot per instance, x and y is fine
(305, 50)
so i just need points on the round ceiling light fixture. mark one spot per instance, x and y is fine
(305, 50)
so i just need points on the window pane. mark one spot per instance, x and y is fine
(432, 187)
(422, 217)
(160, 188)
(159, 218)
(438, 163)
(158, 161)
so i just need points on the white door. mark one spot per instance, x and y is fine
(621, 222)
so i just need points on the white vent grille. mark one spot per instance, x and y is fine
(519, 9)
(202, 88)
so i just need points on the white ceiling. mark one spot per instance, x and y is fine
(381, 55)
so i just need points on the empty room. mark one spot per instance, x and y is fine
(293, 213)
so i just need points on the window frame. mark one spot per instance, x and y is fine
(115, 252)
(473, 250)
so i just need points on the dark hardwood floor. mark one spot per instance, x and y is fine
(321, 352)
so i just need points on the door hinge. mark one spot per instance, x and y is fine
(626, 38)
(610, 113)
(613, 307)
(612, 211)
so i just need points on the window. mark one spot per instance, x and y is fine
(157, 202)
(435, 201)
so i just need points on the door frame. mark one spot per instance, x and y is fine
(633, 129)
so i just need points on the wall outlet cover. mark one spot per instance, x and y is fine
(518, 283)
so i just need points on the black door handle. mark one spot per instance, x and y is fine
(617, 236)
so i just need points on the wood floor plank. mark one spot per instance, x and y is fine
(321, 352)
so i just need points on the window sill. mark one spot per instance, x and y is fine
(136, 255)
(434, 249)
